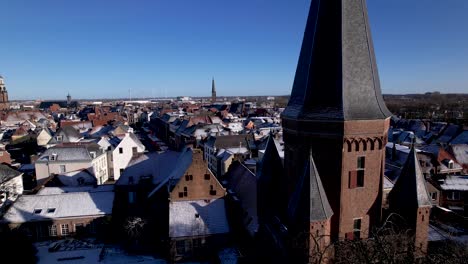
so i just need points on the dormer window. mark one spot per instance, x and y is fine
(59, 138)
(450, 164)
(53, 157)
(93, 154)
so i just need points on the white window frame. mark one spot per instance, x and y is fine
(53, 230)
(65, 229)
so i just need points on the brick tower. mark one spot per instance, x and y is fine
(4, 103)
(337, 110)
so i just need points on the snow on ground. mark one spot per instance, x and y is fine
(71, 251)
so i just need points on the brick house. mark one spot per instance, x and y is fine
(197, 216)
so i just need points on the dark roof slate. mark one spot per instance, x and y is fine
(410, 188)
(309, 193)
(336, 76)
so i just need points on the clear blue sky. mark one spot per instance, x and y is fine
(104, 48)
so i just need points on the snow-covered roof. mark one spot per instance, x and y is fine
(7, 173)
(455, 183)
(197, 218)
(156, 165)
(70, 152)
(77, 178)
(44, 207)
(90, 189)
(388, 184)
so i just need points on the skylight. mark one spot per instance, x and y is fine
(50, 210)
(37, 211)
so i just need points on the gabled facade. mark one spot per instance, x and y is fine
(129, 147)
(235, 144)
(44, 137)
(67, 158)
(197, 215)
(66, 134)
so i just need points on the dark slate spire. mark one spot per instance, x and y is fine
(409, 191)
(270, 162)
(336, 76)
(269, 172)
(309, 197)
(213, 90)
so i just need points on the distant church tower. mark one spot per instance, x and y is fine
(69, 99)
(213, 91)
(4, 103)
(337, 113)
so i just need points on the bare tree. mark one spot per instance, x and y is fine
(134, 226)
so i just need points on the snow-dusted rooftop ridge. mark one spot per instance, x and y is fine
(455, 183)
(197, 218)
(157, 165)
(45, 207)
(90, 189)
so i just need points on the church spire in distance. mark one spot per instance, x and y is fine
(213, 91)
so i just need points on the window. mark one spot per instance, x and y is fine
(92, 154)
(120, 150)
(52, 230)
(131, 197)
(212, 190)
(197, 242)
(59, 138)
(433, 196)
(360, 178)
(357, 228)
(79, 228)
(453, 196)
(185, 191)
(37, 211)
(65, 230)
(356, 178)
(80, 180)
(180, 247)
(121, 171)
(53, 157)
(134, 150)
(92, 227)
(189, 177)
(361, 162)
(50, 210)
(207, 176)
(63, 168)
(450, 164)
